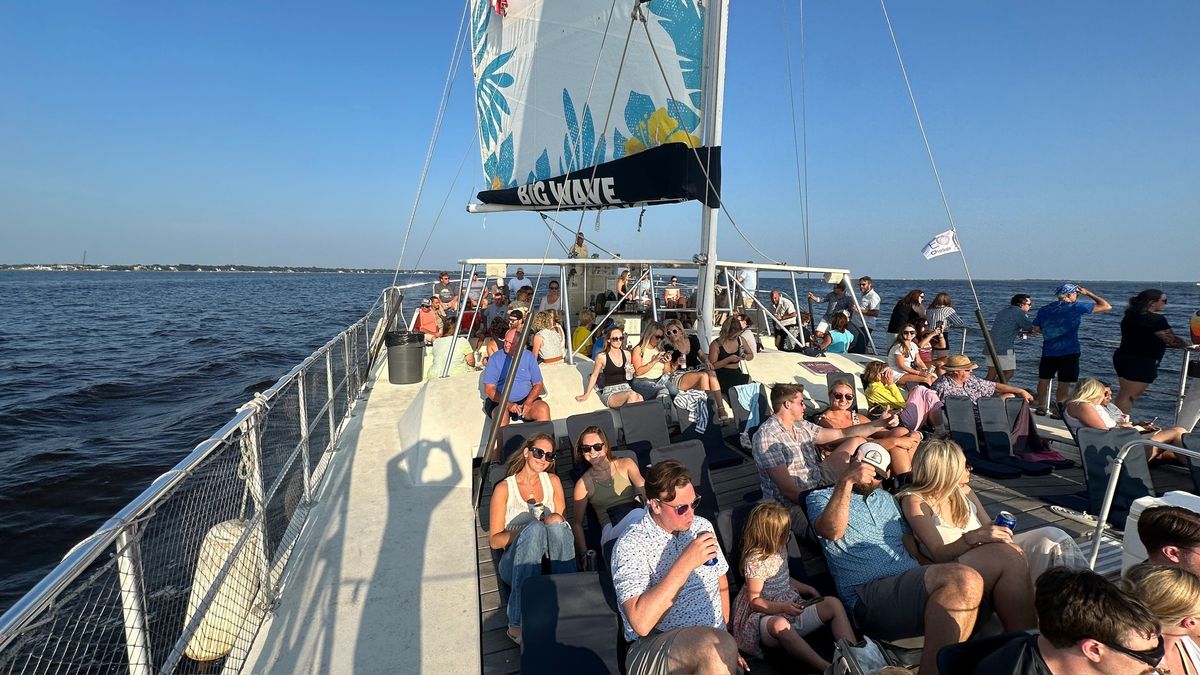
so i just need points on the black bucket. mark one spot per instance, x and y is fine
(406, 358)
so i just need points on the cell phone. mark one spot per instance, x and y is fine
(875, 411)
(811, 601)
(940, 325)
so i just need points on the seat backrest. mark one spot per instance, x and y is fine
(692, 455)
(599, 418)
(1098, 448)
(960, 415)
(645, 427)
(993, 420)
(1192, 442)
(564, 620)
(1012, 405)
(741, 414)
(514, 435)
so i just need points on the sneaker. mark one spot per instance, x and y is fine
(514, 634)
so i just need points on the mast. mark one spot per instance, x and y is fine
(714, 101)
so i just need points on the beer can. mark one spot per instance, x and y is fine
(710, 563)
(1006, 519)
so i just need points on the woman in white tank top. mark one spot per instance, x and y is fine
(526, 521)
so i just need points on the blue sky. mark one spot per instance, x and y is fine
(293, 134)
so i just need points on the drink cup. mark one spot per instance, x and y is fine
(1006, 519)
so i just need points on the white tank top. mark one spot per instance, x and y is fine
(518, 512)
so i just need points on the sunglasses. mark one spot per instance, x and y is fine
(680, 509)
(616, 338)
(1150, 657)
(547, 455)
(909, 332)
(658, 336)
(843, 397)
(554, 288)
(586, 449)
(673, 331)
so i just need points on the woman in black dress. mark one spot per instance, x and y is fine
(910, 310)
(1145, 336)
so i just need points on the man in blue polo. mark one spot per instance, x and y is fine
(1059, 323)
(523, 401)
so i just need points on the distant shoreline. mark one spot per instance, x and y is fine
(270, 269)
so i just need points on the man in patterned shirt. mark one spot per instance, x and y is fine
(785, 450)
(892, 596)
(669, 576)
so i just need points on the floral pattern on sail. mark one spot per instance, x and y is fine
(491, 106)
(650, 126)
(683, 21)
(498, 166)
(581, 148)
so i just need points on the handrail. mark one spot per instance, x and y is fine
(1111, 490)
(84, 554)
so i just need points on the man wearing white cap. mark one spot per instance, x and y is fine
(893, 596)
(1059, 323)
(517, 283)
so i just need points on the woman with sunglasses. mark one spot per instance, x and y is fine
(921, 403)
(612, 485)
(948, 519)
(649, 361)
(899, 441)
(552, 299)
(1173, 594)
(905, 359)
(616, 363)
(688, 367)
(527, 522)
(727, 353)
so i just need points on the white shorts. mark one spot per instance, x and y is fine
(805, 623)
(1008, 360)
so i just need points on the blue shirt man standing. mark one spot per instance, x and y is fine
(1059, 323)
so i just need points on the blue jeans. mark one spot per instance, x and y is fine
(648, 388)
(523, 559)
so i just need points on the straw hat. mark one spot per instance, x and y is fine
(959, 362)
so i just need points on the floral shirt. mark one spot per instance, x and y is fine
(974, 388)
(774, 446)
(642, 558)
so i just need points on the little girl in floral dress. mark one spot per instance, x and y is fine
(771, 608)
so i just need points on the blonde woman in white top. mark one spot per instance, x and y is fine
(526, 521)
(948, 520)
(1173, 594)
(548, 342)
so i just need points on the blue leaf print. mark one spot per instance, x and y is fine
(618, 144)
(683, 21)
(568, 156)
(638, 110)
(498, 167)
(681, 113)
(480, 17)
(587, 144)
(572, 121)
(541, 170)
(490, 103)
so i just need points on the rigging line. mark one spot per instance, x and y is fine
(460, 45)
(612, 9)
(552, 233)
(804, 213)
(570, 229)
(800, 176)
(633, 17)
(703, 166)
(928, 149)
(432, 228)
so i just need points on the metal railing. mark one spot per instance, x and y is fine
(180, 580)
(1111, 490)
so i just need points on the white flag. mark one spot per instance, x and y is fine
(940, 245)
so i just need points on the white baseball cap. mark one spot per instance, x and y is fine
(875, 455)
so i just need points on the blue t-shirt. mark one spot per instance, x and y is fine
(873, 545)
(840, 341)
(528, 373)
(1059, 322)
(1008, 323)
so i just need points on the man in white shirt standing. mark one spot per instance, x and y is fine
(517, 283)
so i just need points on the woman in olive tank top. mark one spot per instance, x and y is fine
(609, 482)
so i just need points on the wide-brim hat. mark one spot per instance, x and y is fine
(959, 362)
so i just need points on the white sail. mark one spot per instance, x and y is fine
(547, 73)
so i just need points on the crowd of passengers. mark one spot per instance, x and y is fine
(911, 548)
(926, 560)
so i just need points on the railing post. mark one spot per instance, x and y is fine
(566, 312)
(653, 292)
(301, 402)
(330, 392)
(796, 300)
(346, 372)
(129, 574)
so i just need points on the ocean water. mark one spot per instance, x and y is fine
(109, 379)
